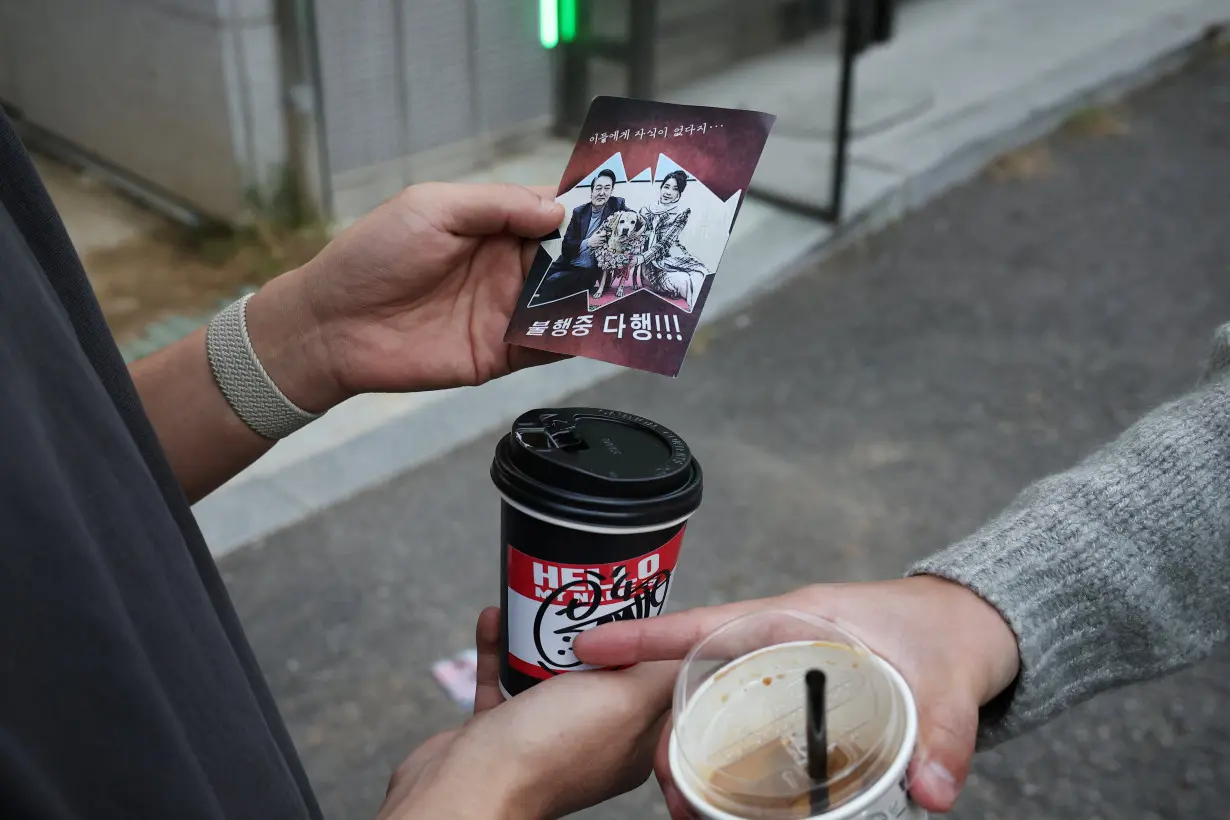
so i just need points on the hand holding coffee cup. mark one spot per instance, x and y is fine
(595, 504)
(953, 649)
(570, 743)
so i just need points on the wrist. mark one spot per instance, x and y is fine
(996, 663)
(444, 780)
(466, 797)
(288, 339)
(510, 789)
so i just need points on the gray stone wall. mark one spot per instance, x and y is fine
(183, 95)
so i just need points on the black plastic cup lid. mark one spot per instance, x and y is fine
(597, 467)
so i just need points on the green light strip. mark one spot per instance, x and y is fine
(548, 23)
(568, 20)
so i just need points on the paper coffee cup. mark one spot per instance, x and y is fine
(594, 508)
(738, 748)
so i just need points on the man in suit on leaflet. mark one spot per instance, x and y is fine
(576, 269)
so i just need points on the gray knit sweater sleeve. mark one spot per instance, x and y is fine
(1117, 570)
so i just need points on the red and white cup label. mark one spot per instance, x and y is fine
(549, 604)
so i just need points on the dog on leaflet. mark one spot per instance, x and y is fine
(625, 239)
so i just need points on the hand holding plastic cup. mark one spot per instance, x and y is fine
(782, 715)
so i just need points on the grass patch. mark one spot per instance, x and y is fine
(1097, 121)
(1218, 38)
(1030, 162)
(177, 271)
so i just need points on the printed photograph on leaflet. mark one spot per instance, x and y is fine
(651, 194)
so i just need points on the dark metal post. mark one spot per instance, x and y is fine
(637, 54)
(883, 16)
(865, 22)
(573, 80)
(802, 17)
(307, 134)
(642, 48)
(821, 13)
(853, 30)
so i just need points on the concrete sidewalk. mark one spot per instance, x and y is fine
(962, 82)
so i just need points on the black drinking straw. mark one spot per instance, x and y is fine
(817, 743)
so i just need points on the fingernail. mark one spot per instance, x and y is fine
(546, 204)
(942, 781)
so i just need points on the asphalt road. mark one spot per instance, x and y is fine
(874, 409)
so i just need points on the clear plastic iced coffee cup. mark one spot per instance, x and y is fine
(739, 745)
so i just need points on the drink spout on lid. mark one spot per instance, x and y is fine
(555, 434)
(565, 436)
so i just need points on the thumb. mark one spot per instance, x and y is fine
(947, 731)
(481, 210)
(487, 693)
(666, 637)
